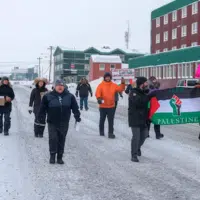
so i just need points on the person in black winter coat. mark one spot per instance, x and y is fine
(153, 86)
(83, 89)
(138, 116)
(34, 105)
(58, 105)
(6, 95)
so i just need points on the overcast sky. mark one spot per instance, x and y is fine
(28, 27)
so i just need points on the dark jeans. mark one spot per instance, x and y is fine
(38, 127)
(84, 100)
(7, 121)
(109, 113)
(156, 128)
(138, 139)
(57, 137)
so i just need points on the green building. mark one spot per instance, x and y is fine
(73, 64)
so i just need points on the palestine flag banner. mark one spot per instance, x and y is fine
(175, 106)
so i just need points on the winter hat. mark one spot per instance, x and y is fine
(60, 82)
(5, 78)
(140, 80)
(107, 74)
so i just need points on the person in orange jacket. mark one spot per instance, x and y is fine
(105, 95)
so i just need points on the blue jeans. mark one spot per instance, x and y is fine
(84, 100)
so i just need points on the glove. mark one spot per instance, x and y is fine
(99, 101)
(121, 96)
(30, 110)
(91, 95)
(76, 94)
(78, 119)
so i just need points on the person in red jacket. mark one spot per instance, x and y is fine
(105, 95)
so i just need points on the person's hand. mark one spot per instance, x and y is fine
(8, 99)
(76, 94)
(91, 95)
(99, 101)
(30, 110)
(78, 119)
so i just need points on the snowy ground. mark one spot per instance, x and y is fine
(97, 168)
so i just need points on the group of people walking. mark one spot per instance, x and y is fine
(56, 107)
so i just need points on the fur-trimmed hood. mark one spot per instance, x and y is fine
(37, 80)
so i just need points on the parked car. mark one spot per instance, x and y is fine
(189, 83)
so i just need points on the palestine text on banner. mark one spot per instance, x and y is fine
(175, 106)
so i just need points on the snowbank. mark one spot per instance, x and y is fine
(94, 84)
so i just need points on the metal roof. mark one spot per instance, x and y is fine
(167, 8)
(177, 56)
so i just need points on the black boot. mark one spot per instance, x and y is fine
(111, 136)
(134, 159)
(52, 158)
(102, 134)
(59, 159)
(139, 153)
(6, 133)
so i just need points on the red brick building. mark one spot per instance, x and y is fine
(175, 25)
(99, 64)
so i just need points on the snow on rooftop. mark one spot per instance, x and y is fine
(106, 59)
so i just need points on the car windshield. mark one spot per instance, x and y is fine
(191, 82)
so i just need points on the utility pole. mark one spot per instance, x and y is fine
(50, 62)
(127, 36)
(39, 70)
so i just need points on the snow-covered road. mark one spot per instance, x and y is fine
(97, 168)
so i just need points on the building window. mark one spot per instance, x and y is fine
(183, 46)
(174, 34)
(87, 67)
(174, 48)
(195, 8)
(147, 72)
(194, 28)
(174, 16)
(157, 38)
(194, 44)
(183, 31)
(184, 71)
(158, 72)
(157, 51)
(87, 56)
(165, 36)
(165, 50)
(112, 67)
(101, 67)
(179, 71)
(166, 19)
(184, 12)
(173, 71)
(188, 70)
(158, 22)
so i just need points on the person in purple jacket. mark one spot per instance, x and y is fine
(153, 86)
